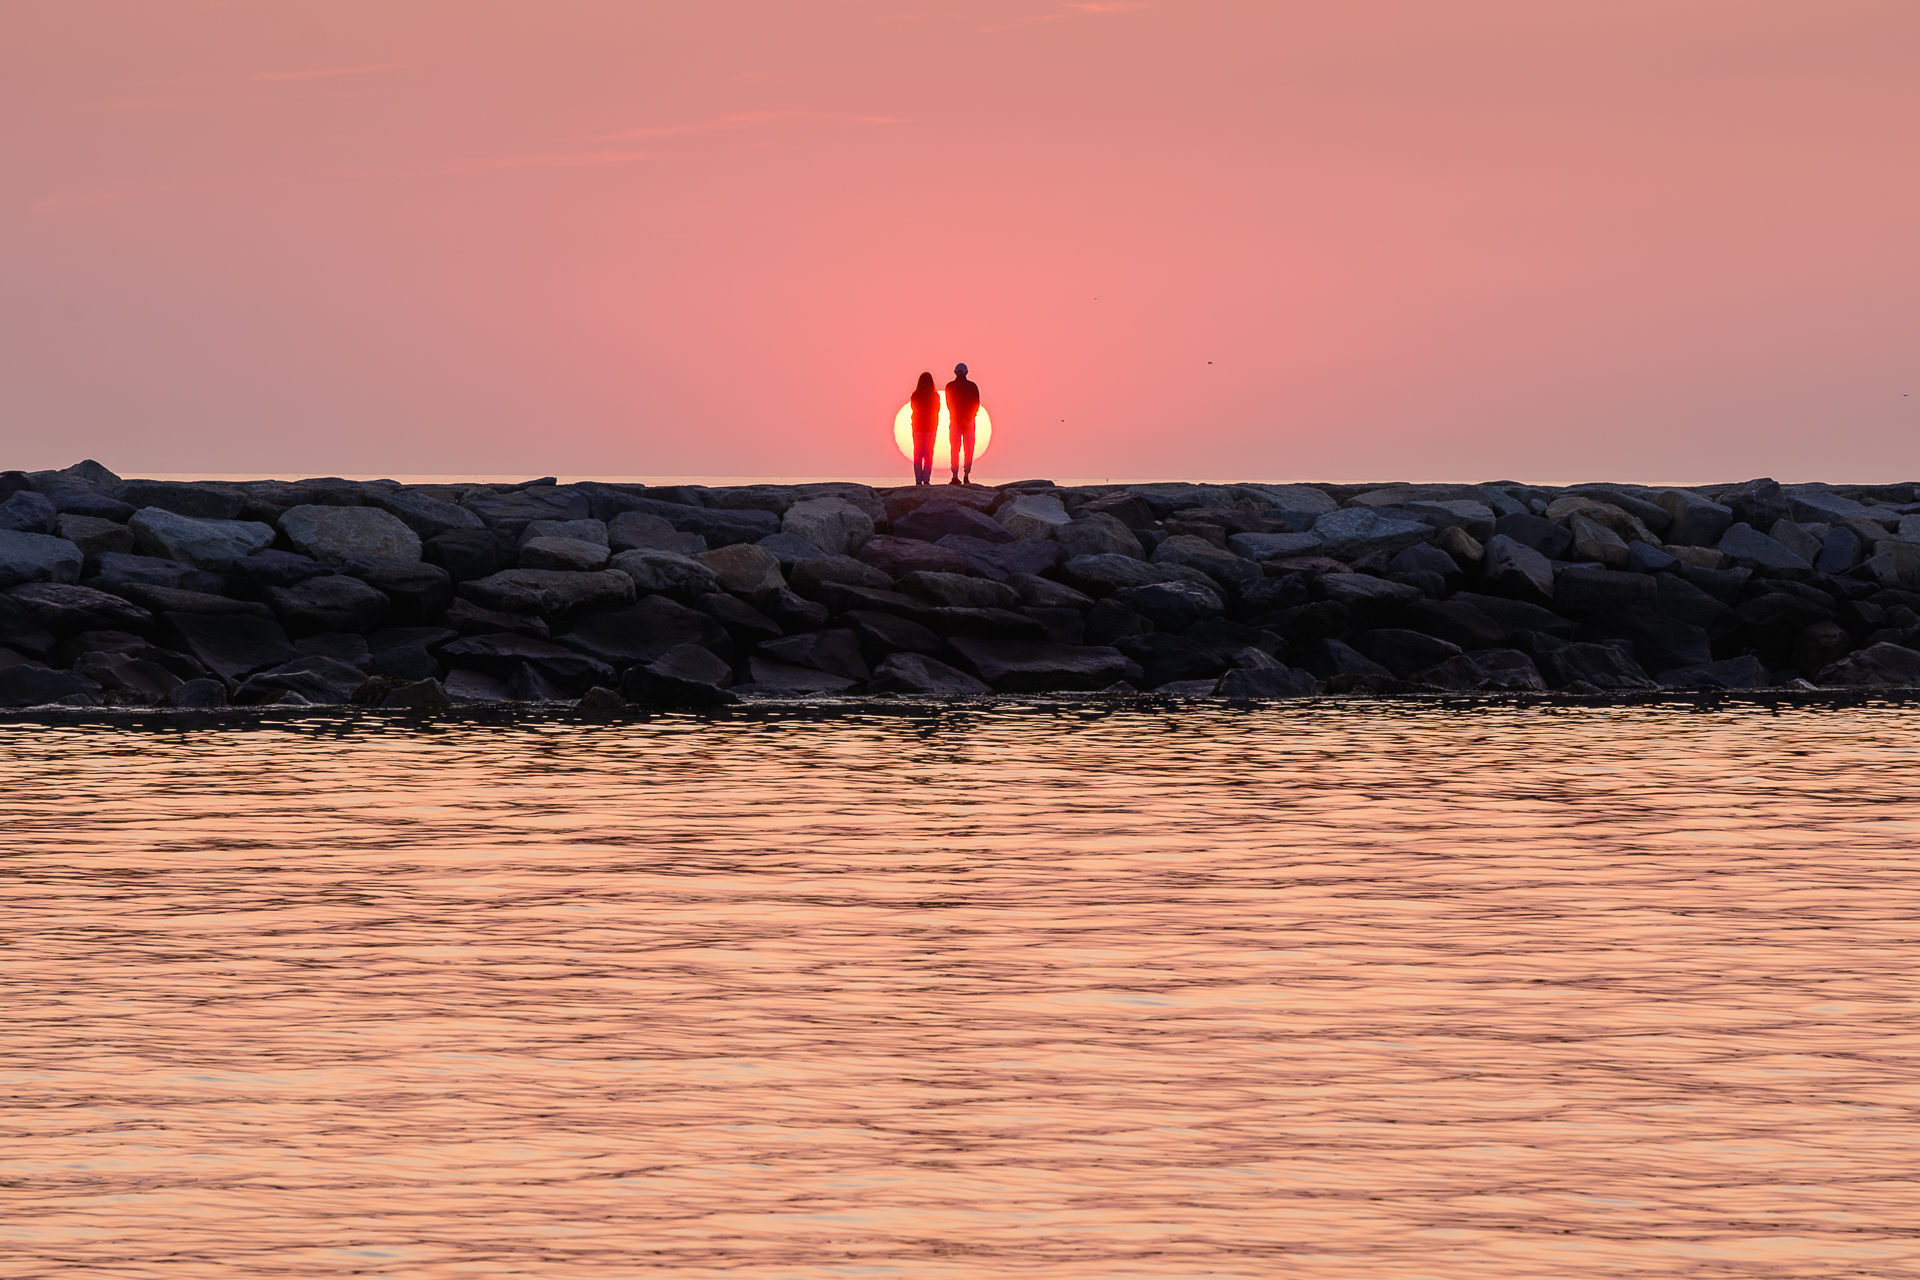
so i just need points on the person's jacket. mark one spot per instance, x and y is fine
(926, 411)
(963, 400)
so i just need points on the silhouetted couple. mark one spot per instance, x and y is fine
(963, 406)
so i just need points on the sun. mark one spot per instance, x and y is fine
(903, 434)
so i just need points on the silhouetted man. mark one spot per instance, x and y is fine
(963, 405)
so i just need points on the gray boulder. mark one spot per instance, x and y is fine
(897, 557)
(933, 521)
(1033, 516)
(426, 516)
(773, 675)
(1748, 548)
(1744, 672)
(502, 656)
(61, 609)
(1816, 507)
(719, 528)
(1098, 534)
(1273, 681)
(685, 675)
(1587, 589)
(467, 686)
(1038, 666)
(213, 545)
(1536, 533)
(1171, 606)
(1595, 542)
(836, 526)
(30, 685)
(320, 680)
(1695, 521)
(1507, 670)
(594, 531)
(637, 531)
(1840, 551)
(93, 535)
(335, 535)
(233, 646)
(789, 550)
(958, 591)
(1100, 576)
(1802, 540)
(27, 512)
(1364, 594)
(419, 593)
(117, 569)
(1045, 593)
(554, 592)
(916, 675)
(1273, 546)
(642, 632)
(196, 500)
(333, 603)
(511, 512)
(1404, 652)
(1604, 666)
(127, 680)
(1880, 664)
(72, 495)
(1756, 502)
(576, 554)
(159, 600)
(1000, 561)
(1354, 532)
(1197, 553)
(743, 567)
(198, 694)
(836, 652)
(36, 557)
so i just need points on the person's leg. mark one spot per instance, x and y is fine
(968, 473)
(922, 457)
(953, 452)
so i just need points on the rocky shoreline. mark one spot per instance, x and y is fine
(146, 593)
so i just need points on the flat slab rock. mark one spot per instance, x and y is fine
(1041, 666)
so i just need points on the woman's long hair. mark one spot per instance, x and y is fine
(926, 404)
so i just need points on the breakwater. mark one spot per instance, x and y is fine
(133, 592)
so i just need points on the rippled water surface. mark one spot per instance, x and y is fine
(1315, 991)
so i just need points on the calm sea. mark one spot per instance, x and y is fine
(1316, 991)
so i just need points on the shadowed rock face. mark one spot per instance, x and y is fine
(135, 592)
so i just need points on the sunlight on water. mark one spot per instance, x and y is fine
(1356, 992)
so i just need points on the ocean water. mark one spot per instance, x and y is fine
(1361, 991)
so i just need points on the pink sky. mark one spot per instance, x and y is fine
(1264, 239)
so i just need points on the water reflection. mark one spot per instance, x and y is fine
(1316, 992)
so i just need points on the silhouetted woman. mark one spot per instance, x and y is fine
(926, 425)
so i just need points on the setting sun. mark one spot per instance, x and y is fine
(903, 434)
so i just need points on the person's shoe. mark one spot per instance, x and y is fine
(955, 480)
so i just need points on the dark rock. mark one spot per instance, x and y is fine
(1880, 664)
(27, 512)
(200, 694)
(470, 619)
(1748, 548)
(1516, 571)
(1044, 593)
(810, 577)
(643, 631)
(500, 656)
(1100, 534)
(118, 569)
(789, 549)
(835, 652)
(530, 684)
(1744, 672)
(1271, 594)
(1062, 626)
(1587, 589)
(73, 496)
(771, 673)
(233, 647)
(1600, 666)
(475, 686)
(1650, 513)
(600, 700)
(997, 624)
(562, 553)
(554, 592)
(127, 680)
(792, 611)
(904, 502)
(94, 536)
(1842, 550)
(1275, 546)
(1130, 509)
(746, 624)
(916, 675)
(428, 517)
(25, 685)
(213, 545)
(407, 653)
(1679, 598)
(1816, 507)
(1369, 600)
(1430, 585)
(1001, 561)
(1217, 563)
(466, 554)
(1329, 658)
(1319, 620)
(250, 576)
(1694, 521)
(1507, 669)
(1404, 652)
(1109, 621)
(954, 590)
(1425, 558)
(419, 593)
(512, 512)
(419, 695)
(1100, 576)
(195, 500)
(719, 528)
(898, 557)
(1821, 644)
(591, 531)
(1169, 659)
(319, 680)
(61, 609)
(1660, 641)
(1353, 532)
(37, 557)
(1756, 502)
(1037, 666)
(1459, 673)
(335, 603)
(1722, 584)
(636, 531)
(667, 573)
(341, 646)
(883, 633)
(933, 521)
(1171, 606)
(158, 600)
(1275, 681)
(1799, 590)
(335, 535)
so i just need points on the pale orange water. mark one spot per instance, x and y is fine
(1312, 992)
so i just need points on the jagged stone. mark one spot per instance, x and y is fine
(1600, 666)
(213, 545)
(1748, 548)
(30, 685)
(959, 591)
(1354, 532)
(529, 683)
(335, 535)
(576, 554)
(1045, 593)
(1756, 502)
(600, 700)
(1171, 606)
(743, 567)
(836, 652)
(1695, 521)
(418, 593)
(719, 528)
(594, 531)
(1508, 670)
(1404, 652)
(1267, 682)
(198, 695)
(27, 512)
(62, 609)
(1038, 666)
(897, 557)
(1001, 561)
(834, 525)
(334, 603)
(1596, 542)
(933, 521)
(550, 591)
(792, 611)
(1879, 664)
(1660, 641)
(233, 646)
(809, 578)
(341, 646)
(407, 653)
(194, 500)
(1095, 534)
(1744, 672)
(1032, 516)
(128, 680)
(470, 619)
(500, 656)
(1584, 589)
(772, 674)
(37, 557)
(319, 680)
(1537, 533)
(511, 512)
(467, 686)
(428, 517)
(1132, 511)
(1327, 658)
(1517, 571)
(995, 624)
(74, 495)
(92, 535)
(159, 600)
(919, 676)
(637, 531)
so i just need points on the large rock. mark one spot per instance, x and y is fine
(466, 554)
(61, 609)
(993, 624)
(1100, 576)
(643, 631)
(1098, 534)
(1604, 666)
(319, 680)
(635, 531)
(746, 624)
(1001, 561)
(1815, 507)
(511, 512)
(904, 501)
(159, 600)
(1365, 597)
(128, 680)
(1477, 622)
(744, 567)
(501, 656)
(334, 603)
(789, 550)
(1537, 533)
(1744, 672)
(1678, 598)
(1594, 541)
(897, 557)
(844, 597)
(469, 619)
(1840, 551)
(1473, 518)
(594, 531)
(1354, 532)
(809, 578)
(837, 652)
(1045, 593)
(834, 525)
(196, 500)
(1507, 670)
(1756, 502)
(117, 569)
(1585, 589)
(933, 521)
(1196, 553)
(719, 528)
(37, 557)
(1748, 548)
(1327, 658)
(1880, 664)
(419, 593)
(1626, 526)
(1273, 546)
(550, 591)
(1404, 652)
(1660, 642)
(72, 495)
(1038, 666)
(685, 675)
(883, 633)
(1802, 540)
(1132, 511)
(959, 591)
(27, 512)
(213, 545)
(426, 516)
(1696, 522)
(1171, 606)
(335, 535)
(406, 653)
(918, 676)
(234, 646)
(773, 675)
(1275, 681)
(93, 536)
(251, 575)
(27, 685)
(1033, 516)
(1896, 565)
(576, 554)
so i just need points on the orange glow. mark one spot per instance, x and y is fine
(903, 434)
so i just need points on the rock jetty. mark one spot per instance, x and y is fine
(130, 592)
